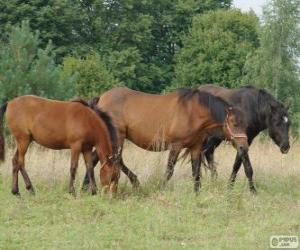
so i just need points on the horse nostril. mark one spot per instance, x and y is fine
(285, 148)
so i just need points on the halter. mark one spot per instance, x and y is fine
(234, 135)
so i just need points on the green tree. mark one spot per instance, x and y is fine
(216, 48)
(92, 75)
(275, 64)
(27, 69)
(145, 34)
(60, 21)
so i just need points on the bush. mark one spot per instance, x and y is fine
(93, 77)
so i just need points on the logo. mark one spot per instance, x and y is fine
(284, 241)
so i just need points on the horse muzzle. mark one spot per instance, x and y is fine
(284, 148)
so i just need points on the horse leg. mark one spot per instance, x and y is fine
(132, 176)
(90, 172)
(196, 168)
(249, 172)
(209, 155)
(74, 164)
(15, 172)
(86, 180)
(236, 166)
(210, 145)
(18, 165)
(173, 156)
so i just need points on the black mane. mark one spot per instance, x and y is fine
(256, 104)
(79, 100)
(92, 104)
(216, 105)
(108, 122)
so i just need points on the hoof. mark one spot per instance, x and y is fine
(135, 183)
(253, 190)
(31, 190)
(72, 191)
(84, 187)
(94, 192)
(15, 192)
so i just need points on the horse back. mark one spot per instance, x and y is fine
(54, 124)
(144, 118)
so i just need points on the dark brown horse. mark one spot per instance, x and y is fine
(262, 111)
(182, 119)
(62, 125)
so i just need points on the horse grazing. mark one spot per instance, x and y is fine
(262, 111)
(62, 125)
(182, 119)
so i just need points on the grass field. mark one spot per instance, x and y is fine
(153, 217)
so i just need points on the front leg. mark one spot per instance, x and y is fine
(249, 172)
(236, 167)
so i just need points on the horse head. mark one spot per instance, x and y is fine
(278, 125)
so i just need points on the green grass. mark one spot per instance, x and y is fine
(152, 218)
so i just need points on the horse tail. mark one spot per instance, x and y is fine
(2, 139)
(186, 153)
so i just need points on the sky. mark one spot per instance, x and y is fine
(246, 5)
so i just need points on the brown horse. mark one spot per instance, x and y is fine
(182, 119)
(62, 125)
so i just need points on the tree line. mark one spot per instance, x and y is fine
(63, 48)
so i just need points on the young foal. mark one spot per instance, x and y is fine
(182, 119)
(62, 125)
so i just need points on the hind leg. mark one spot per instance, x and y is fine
(196, 167)
(86, 180)
(132, 176)
(209, 155)
(90, 172)
(173, 156)
(75, 151)
(19, 165)
(15, 172)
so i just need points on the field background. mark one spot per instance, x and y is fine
(153, 217)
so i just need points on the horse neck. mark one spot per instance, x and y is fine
(256, 112)
(263, 115)
(210, 125)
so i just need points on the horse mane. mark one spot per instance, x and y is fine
(108, 122)
(92, 104)
(79, 100)
(265, 97)
(216, 105)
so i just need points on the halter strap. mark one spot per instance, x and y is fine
(234, 135)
